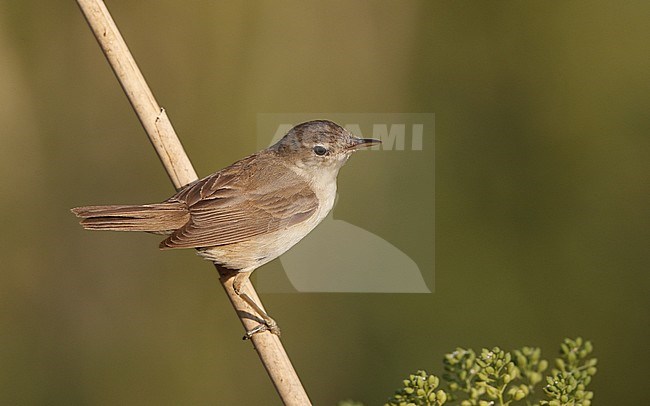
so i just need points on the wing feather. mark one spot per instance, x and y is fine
(225, 209)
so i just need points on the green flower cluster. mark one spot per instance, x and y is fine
(491, 376)
(420, 390)
(496, 377)
(568, 381)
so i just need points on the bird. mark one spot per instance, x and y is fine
(251, 212)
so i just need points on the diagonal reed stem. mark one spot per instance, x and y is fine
(180, 170)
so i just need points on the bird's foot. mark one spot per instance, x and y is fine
(269, 325)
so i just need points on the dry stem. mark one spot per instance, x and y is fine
(180, 170)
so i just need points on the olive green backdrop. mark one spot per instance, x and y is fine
(542, 192)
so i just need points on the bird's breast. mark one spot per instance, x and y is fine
(256, 251)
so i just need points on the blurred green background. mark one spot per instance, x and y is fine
(542, 192)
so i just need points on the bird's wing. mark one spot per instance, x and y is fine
(225, 209)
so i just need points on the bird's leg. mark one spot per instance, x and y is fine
(269, 324)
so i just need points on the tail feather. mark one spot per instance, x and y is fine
(155, 218)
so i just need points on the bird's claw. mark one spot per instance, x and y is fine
(270, 326)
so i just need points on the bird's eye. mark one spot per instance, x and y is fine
(320, 150)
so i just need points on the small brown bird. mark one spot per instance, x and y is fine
(250, 212)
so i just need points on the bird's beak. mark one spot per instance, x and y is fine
(357, 143)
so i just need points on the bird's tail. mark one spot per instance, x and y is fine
(154, 218)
